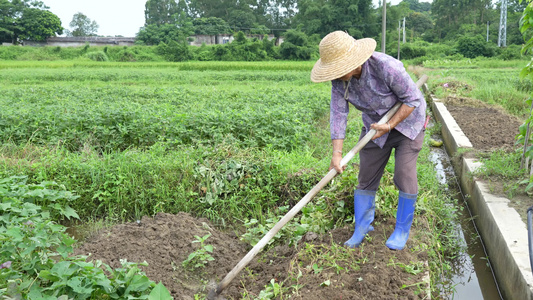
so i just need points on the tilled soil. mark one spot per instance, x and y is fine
(488, 128)
(319, 267)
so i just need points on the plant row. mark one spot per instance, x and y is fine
(109, 118)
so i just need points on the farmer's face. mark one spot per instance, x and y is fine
(355, 73)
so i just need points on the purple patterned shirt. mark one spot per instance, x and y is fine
(383, 82)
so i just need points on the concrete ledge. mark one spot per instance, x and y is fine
(502, 230)
(452, 134)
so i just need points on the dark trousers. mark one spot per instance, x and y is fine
(373, 160)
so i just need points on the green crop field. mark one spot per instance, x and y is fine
(173, 120)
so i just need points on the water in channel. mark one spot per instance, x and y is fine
(472, 277)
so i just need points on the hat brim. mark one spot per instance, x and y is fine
(344, 64)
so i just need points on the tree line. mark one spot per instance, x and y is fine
(176, 20)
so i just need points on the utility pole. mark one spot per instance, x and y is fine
(383, 25)
(487, 31)
(404, 30)
(399, 36)
(502, 36)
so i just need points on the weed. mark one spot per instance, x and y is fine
(412, 268)
(199, 258)
(272, 290)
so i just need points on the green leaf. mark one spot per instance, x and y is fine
(63, 269)
(209, 248)
(46, 274)
(15, 233)
(105, 283)
(326, 283)
(70, 212)
(529, 186)
(139, 283)
(192, 256)
(160, 292)
(76, 283)
(5, 206)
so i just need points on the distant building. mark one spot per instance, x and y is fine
(197, 40)
(220, 39)
(82, 41)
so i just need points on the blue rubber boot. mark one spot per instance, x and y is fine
(404, 219)
(364, 208)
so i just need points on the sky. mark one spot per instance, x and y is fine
(114, 17)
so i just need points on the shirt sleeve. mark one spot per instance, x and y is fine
(338, 114)
(401, 83)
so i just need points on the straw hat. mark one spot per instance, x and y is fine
(340, 54)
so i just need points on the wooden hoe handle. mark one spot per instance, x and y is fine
(331, 174)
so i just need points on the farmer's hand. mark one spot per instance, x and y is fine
(381, 129)
(336, 162)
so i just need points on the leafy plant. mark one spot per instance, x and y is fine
(199, 258)
(35, 261)
(526, 23)
(313, 218)
(272, 290)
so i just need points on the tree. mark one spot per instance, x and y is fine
(323, 16)
(524, 137)
(39, 24)
(155, 34)
(451, 14)
(161, 11)
(418, 6)
(11, 11)
(241, 19)
(82, 26)
(419, 22)
(210, 26)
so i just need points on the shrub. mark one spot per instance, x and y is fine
(511, 52)
(295, 46)
(475, 46)
(409, 51)
(174, 51)
(97, 56)
(126, 55)
(419, 61)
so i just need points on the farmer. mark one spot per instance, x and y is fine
(373, 82)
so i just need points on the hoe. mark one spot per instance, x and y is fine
(215, 292)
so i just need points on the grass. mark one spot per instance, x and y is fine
(496, 83)
(495, 86)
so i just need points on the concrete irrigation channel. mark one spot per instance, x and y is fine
(504, 234)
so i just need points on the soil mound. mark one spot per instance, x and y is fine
(319, 267)
(164, 242)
